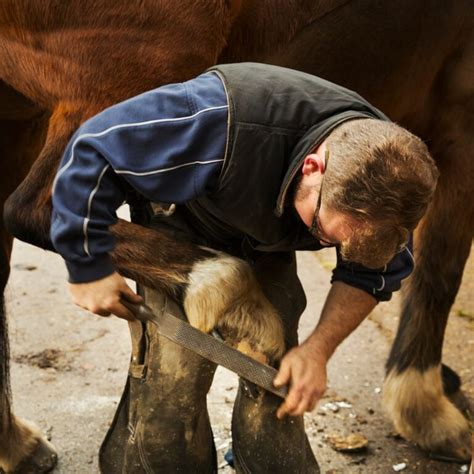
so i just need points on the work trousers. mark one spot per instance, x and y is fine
(162, 424)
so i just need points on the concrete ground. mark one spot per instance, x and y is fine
(69, 368)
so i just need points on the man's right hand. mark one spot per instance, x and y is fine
(103, 296)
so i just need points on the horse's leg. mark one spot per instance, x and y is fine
(22, 446)
(413, 392)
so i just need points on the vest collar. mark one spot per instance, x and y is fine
(310, 140)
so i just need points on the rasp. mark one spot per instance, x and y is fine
(210, 348)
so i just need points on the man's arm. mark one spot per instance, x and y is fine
(165, 146)
(103, 297)
(304, 367)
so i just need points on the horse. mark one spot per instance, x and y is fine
(62, 62)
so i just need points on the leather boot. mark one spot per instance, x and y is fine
(262, 443)
(162, 424)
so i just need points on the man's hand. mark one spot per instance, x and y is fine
(102, 297)
(304, 369)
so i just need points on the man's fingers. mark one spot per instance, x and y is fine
(302, 406)
(115, 306)
(293, 408)
(283, 376)
(102, 296)
(122, 312)
(314, 402)
(130, 295)
(290, 370)
(282, 411)
(290, 404)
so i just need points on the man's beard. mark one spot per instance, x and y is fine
(300, 191)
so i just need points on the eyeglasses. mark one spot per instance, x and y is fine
(315, 228)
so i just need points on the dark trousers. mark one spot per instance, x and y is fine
(162, 424)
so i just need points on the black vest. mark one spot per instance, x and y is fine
(276, 117)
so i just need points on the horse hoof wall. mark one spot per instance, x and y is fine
(460, 453)
(43, 459)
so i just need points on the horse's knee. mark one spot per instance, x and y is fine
(14, 218)
(11, 217)
(223, 293)
(420, 411)
(27, 221)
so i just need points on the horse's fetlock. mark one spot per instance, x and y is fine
(420, 411)
(223, 292)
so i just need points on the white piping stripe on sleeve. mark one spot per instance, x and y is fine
(89, 207)
(164, 170)
(383, 284)
(125, 125)
(86, 239)
(219, 75)
(411, 255)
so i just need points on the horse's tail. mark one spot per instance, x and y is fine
(5, 390)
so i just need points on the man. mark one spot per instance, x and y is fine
(260, 161)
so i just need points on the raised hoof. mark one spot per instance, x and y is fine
(246, 348)
(223, 294)
(43, 459)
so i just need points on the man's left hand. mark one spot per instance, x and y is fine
(304, 370)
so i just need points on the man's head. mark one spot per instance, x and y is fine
(376, 181)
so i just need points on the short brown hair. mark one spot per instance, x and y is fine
(382, 176)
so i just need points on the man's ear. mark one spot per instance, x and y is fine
(313, 163)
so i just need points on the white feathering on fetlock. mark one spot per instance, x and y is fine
(421, 412)
(223, 293)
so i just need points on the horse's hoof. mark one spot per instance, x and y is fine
(459, 454)
(224, 294)
(422, 413)
(43, 459)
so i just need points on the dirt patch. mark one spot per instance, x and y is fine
(48, 358)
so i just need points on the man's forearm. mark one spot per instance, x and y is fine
(304, 367)
(345, 308)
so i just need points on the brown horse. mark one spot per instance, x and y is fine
(61, 62)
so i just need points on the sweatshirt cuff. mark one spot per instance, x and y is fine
(91, 270)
